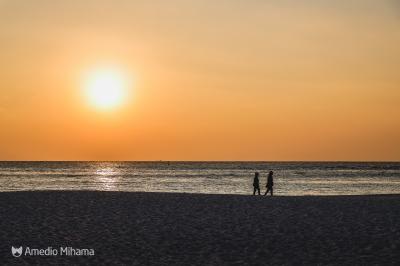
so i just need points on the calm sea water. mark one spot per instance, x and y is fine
(291, 178)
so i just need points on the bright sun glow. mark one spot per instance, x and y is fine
(106, 88)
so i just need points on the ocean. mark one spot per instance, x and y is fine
(290, 178)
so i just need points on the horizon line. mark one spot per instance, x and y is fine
(215, 161)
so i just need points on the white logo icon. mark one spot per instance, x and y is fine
(16, 252)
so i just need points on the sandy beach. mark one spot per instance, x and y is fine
(197, 229)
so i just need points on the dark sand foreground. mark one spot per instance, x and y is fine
(187, 229)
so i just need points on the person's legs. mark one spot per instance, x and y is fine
(258, 191)
(254, 191)
(268, 190)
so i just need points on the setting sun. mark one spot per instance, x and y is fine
(105, 88)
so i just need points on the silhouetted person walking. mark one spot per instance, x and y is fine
(256, 184)
(270, 184)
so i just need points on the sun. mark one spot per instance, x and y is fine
(105, 88)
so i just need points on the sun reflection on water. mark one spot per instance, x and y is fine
(107, 178)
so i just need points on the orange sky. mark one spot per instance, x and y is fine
(213, 80)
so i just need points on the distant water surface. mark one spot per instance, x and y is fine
(291, 178)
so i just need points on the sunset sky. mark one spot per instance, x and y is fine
(202, 80)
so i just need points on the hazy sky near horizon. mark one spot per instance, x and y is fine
(212, 80)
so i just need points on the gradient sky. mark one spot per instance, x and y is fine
(213, 80)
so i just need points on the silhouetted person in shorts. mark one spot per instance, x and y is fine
(270, 184)
(256, 184)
